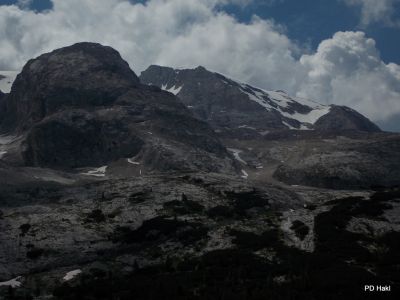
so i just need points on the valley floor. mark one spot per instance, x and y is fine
(195, 236)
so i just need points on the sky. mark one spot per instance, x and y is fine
(344, 52)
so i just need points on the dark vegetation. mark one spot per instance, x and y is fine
(337, 269)
(140, 197)
(301, 230)
(24, 229)
(96, 216)
(249, 240)
(34, 253)
(220, 212)
(341, 245)
(243, 202)
(162, 229)
(246, 200)
(184, 206)
(334, 271)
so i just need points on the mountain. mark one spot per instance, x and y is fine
(114, 189)
(288, 139)
(228, 104)
(82, 106)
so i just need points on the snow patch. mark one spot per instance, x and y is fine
(236, 155)
(288, 125)
(247, 127)
(317, 110)
(2, 154)
(282, 101)
(281, 97)
(14, 283)
(174, 90)
(5, 140)
(255, 96)
(72, 274)
(99, 172)
(131, 161)
(245, 175)
(308, 102)
(311, 117)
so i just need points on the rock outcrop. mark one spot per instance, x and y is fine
(364, 165)
(84, 75)
(343, 118)
(83, 106)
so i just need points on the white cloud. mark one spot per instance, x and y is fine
(185, 33)
(347, 70)
(181, 33)
(374, 11)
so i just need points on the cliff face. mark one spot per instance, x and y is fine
(83, 75)
(83, 106)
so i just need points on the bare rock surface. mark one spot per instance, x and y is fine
(83, 106)
(242, 110)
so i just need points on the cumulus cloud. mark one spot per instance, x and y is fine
(180, 33)
(373, 11)
(345, 69)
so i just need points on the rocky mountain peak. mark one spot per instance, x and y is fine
(82, 106)
(81, 75)
(201, 69)
(342, 118)
(227, 104)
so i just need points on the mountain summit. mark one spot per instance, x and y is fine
(226, 103)
(79, 76)
(83, 106)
